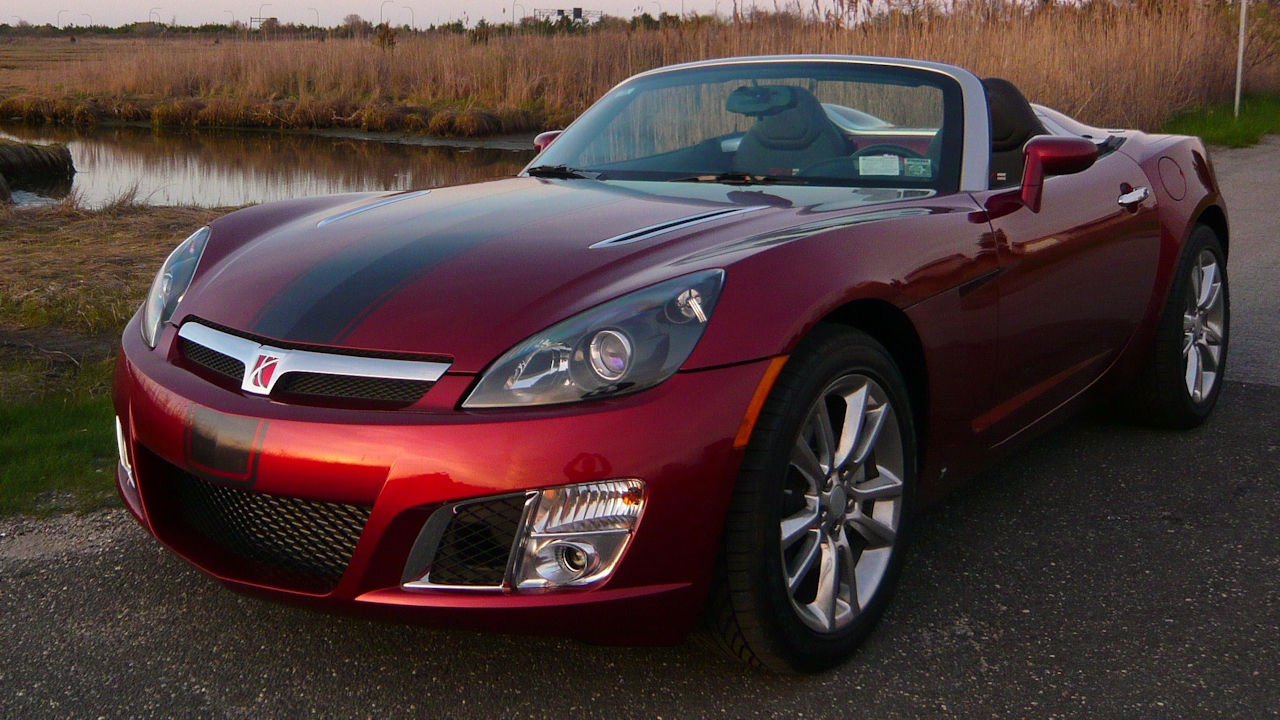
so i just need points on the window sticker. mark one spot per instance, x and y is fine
(880, 165)
(917, 167)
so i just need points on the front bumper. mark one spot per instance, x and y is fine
(400, 466)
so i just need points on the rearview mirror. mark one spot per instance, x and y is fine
(541, 142)
(1048, 155)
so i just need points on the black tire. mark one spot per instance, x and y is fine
(754, 614)
(1163, 396)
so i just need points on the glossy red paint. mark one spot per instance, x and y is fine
(1004, 309)
(405, 464)
(544, 139)
(1080, 246)
(1046, 156)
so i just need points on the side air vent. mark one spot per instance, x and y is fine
(670, 226)
(371, 206)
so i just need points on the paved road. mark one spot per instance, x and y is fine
(1104, 571)
(1250, 180)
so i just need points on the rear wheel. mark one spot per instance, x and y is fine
(815, 533)
(1183, 376)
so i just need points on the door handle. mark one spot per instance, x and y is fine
(1130, 198)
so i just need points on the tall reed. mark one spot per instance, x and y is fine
(1132, 65)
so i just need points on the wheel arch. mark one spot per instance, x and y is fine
(1216, 220)
(891, 327)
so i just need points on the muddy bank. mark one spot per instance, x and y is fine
(24, 163)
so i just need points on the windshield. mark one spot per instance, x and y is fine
(787, 122)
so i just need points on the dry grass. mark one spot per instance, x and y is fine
(69, 280)
(84, 271)
(1109, 65)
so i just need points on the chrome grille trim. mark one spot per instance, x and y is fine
(306, 361)
(678, 224)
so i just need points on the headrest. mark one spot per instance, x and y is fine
(792, 125)
(1013, 122)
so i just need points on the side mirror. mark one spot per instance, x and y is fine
(541, 142)
(1046, 155)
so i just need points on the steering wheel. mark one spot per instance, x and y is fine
(846, 166)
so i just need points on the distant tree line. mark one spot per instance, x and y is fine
(1266, 14)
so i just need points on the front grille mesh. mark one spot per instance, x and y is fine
(284, 541)
(211, 359)
(351, 387)
(477, 543)
(310, 387)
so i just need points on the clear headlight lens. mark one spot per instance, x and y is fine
(171, 284)
(624, 345)
(576, 534)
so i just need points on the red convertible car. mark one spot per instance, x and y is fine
(703, 358)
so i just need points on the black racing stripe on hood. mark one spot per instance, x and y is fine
(301, 318)
(327, 303)
(295, 296)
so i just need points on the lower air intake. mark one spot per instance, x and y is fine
(476, 545)
(274, 540)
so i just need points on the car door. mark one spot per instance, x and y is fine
(1075, 282)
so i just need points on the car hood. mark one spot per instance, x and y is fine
(467, 272)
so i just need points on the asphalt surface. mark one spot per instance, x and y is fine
(1106, 570)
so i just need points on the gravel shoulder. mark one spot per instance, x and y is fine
(1103, 571)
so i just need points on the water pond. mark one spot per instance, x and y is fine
(223, 168)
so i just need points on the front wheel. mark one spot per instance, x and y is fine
(816, 529)
(1183, 376)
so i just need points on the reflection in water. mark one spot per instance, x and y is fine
(229, 168)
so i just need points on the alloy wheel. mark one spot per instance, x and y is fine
(1203, 327)
(842, 503)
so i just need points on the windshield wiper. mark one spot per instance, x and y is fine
(562, 171)
(741, 178)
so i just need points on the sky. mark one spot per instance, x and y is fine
(330, 12)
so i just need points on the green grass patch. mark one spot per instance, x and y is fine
(56, 436)
(59, 455)
(1218, 125)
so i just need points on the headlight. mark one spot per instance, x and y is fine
(624, 345)
(171, 283)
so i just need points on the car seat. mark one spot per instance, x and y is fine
(786, 141)
(1013, 123)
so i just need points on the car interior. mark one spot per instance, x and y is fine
(791, 130)
(794, 133)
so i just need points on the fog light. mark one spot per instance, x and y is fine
(575, 559)
(123, 449)
(575, 535)
(560, 562)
